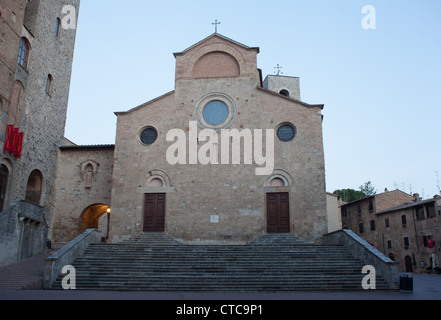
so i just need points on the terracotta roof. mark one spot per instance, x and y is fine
(407, 206)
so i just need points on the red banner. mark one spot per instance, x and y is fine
(7, 147)
(17, 153)
(13, 141)
(429, 244)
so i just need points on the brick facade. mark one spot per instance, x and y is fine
(211, 202)
(11, 20)
(389, 221)
(27, 103)
(218, 202)
(39, 114)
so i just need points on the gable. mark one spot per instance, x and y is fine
(216, 57)
(158, 99)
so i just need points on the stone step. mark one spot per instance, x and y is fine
(236, 286)
(154, 261)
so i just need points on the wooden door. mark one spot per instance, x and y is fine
(408, 264)
(278, 212)
(154, 212)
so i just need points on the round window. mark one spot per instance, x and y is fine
(215, 112)
(286, 133)
(149, 136)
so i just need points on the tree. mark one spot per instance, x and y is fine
(349, 195)
(368, 189)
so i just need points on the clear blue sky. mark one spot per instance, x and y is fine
(381, 88)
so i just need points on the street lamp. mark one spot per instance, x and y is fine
(108, 223)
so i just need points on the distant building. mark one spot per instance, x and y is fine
(404, 228)
(410, 234)
(334, 203)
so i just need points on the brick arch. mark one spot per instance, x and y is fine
(155, 174)
(5, 171)
(90, 216)
(279, 174)
(16, 102)
(217, 48)
(216, 64)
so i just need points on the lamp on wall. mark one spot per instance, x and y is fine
(108, 223)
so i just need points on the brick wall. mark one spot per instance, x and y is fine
(42, 116)
(217, 65)
(11, 24)
(232, 193)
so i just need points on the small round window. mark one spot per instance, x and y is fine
(286, 133)
(149, 136)
(215, 112)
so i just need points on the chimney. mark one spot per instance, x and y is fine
(416, 197)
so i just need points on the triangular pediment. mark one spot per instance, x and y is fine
(212, 36)
(217, 56)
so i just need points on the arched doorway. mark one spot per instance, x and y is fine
(96, 216)
(408, 264)
(4, 174)
(34, 187)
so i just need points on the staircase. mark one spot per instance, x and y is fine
(276, 262)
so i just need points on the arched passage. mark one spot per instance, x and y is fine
(34, 187)
(96, 217)
(4, 175)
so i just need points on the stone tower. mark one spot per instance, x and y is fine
(287, 86)
(36, 54)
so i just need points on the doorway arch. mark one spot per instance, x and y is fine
(408, 264)
(4, 177)
(34, 187)
(96, 216)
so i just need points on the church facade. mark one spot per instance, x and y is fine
(225, 157)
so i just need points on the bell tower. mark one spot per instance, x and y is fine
(287, 86)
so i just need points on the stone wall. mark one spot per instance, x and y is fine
(42, 115)
(66, 256)
(23, 232)
(11, 25)
(84, 179)
(391, 199)
(360, 249)
(219, 201)
(291, 85)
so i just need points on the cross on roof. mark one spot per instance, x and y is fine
(215, 24)
(278, 68)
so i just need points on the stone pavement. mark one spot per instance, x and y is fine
(426, 287)
(24, 275)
